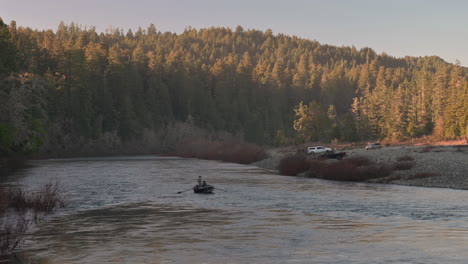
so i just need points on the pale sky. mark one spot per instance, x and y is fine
(396, 27)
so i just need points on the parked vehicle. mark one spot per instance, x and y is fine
(330, 155)
(318, 150)
(373, 146)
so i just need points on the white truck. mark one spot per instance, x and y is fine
(318, 150)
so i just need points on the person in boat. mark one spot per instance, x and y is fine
(203, 184)
(199, 181)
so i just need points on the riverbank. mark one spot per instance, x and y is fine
(9, 165)
(443, 166)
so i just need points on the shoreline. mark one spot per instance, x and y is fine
(445, 166)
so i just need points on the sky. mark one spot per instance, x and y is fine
(397, 27)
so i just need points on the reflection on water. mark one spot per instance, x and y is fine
(147, 227)
(128, 211)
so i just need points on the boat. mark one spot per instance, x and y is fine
(203, 189)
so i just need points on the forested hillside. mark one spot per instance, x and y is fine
(76, 89)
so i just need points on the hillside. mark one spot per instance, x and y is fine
(77, 91)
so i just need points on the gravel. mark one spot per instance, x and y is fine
(434, 166)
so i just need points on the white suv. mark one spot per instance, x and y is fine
(318, 150)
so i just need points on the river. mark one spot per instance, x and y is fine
(127, 210)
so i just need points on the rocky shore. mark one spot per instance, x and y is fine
(432, 166)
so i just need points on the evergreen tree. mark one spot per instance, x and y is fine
(242, 82)
(7, 49)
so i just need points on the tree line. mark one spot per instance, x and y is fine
(77, 88)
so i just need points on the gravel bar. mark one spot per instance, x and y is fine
(434, 166)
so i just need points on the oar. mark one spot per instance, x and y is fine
(220, 189)
(185, 190)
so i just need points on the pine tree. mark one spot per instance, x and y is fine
(311, 121)
(7, 50)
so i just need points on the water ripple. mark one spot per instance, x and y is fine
(128, 210)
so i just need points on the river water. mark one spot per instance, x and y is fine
(127, 210)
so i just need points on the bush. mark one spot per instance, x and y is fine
(351, 169)
(359, 161)
(316, 168)
(45, 200)
(48, 198)
(18, 208)
(18, 199)
(12, 231)
(293, 165)
(342, 171)
(242, 153)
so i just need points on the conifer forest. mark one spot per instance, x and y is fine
(75, 90)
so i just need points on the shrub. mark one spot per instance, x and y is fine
(316, 168)
(349, 170)
(359, 161)
(242, 153)
(19, 207)
(293, 165)
(48, 198)
(19, 199)
(12, 231)
(342, 171)
(45, 200)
